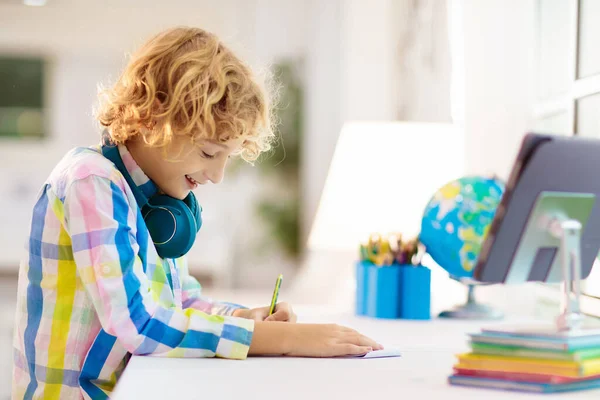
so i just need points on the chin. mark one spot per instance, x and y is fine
(176, 193)
(182, 194)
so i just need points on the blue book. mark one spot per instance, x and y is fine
(501, 384)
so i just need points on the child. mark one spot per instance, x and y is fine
(103, 277)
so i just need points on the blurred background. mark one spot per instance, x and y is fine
(494, 69)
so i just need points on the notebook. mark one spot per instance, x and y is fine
(568, 369)
(516, 351)
(523, 386)
(520, 376)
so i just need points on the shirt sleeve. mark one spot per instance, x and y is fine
(192, 297)
(102, 227)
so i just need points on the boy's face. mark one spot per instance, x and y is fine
(197, 166)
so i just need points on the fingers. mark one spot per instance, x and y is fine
(353, 337)
(278, 316)
(290, 312)
(361, 340)
(353, 350)
(283, 312)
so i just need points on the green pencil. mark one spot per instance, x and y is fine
(275, 294)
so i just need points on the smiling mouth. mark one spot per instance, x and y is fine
(192, 182)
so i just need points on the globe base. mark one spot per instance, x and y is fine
(472, 310)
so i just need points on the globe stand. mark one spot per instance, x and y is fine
(472, 310)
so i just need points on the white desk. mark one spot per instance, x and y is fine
(428, 349)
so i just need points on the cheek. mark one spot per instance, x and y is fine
(170, 175)
(194, 166)
(191, 165)
(171, 170)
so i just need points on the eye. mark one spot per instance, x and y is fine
(206, 155)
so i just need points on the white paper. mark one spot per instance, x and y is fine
(380, 354)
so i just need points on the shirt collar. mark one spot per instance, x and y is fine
(138, 176)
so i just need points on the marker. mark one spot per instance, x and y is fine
(275, 294)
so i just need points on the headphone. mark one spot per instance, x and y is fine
(172, 223)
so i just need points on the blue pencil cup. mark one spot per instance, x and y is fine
(362, 272)
(383, 291)
(415, 298)
(395, 291)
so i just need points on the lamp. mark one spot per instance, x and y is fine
(380, 179)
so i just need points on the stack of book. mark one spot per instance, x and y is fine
(532, 360)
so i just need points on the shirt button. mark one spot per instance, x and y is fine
(106, 269)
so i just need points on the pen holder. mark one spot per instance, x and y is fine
(415, 293)
(395, 291)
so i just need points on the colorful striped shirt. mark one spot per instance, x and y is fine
(92, 289)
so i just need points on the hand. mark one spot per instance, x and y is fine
(283, 313)
(309, 340)
(330, 340)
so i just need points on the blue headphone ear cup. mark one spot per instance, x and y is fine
(171, 225)
(195, 209)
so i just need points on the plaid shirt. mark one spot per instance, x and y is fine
(92, 289)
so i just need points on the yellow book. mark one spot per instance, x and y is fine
(571, 369)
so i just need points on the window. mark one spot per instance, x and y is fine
(568, 71)
(21, 97)
(568, 67)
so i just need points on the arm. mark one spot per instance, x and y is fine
(101, 224)
(192, 294)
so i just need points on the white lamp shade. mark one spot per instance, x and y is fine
(381, 177)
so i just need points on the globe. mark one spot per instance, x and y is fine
(456, 221)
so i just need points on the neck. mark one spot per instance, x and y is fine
(143, 156)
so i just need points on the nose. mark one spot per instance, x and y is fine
(215, 173)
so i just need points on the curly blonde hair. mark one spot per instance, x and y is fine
(184, 81)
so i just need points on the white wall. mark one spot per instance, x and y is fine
(367, 60)
(322, 102)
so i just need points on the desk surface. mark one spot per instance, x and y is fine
(428, 349)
